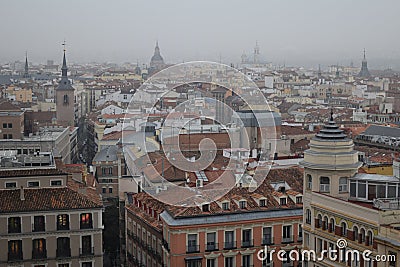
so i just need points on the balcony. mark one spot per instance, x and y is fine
(267, 240)
(38, 227)
(247, 243)
(287, 239)
(325, 188)
(39, 254)
(89, 251)
(63, 253)
(15, 256)
(193, 249)
(387, 203)
(230, 245)
(211, 246)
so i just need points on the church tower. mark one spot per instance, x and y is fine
(65, 100)
(364, 68)
(157, 61)
(26, 70)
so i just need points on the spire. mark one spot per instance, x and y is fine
(64, 84)
(26, 73)
(364, 72)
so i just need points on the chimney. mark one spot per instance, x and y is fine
(22, 194)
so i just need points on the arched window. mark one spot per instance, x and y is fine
(361, 237)
(308, 216)
(319, 221)
(325, 223)
(309, 182)
(65, 99)
(343, 184)
(332, 225)
(369, 239)
(355, 229)
(324, 184)
(344, 228)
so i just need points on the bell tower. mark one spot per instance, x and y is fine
(65, 100)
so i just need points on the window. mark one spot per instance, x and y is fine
(362, 191)
(4, 125)
(86, 221)
(343, 184)
(325, 223)
(110, 190)
(206, 207)
(11, 184)
(125, 97)
(392, 256)
(10, 125)
(193, 263)
(282, 201)
(14, 225)
(211, 242)
(229, 262)
(355, 230)
(65, 99)
(287, 234)
(63, 222)
(319, 221)
(229, 240)
(309, 182)
(63, 247)
(33, 184)
(242, 204)
(15, 250)
(192, 243)
(299, 200)
(106, 171)
(39, 224)
(308, 216)
(267, 236)
(39, 248)
(87, 248)
(332, 225)
(324, 184)
(87, 264)
(56, 183)
(369, 239)
(211, 263)
(246, 261)
(263, 202)
(344, 228)
(104, 190)
(225, 205)
(63, 265)
(246, 238)
(300, 235)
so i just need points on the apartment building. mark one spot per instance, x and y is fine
(48, 219)
(224, 233)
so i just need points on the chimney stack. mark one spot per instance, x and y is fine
(22, 194)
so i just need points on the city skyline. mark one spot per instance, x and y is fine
(296, 34)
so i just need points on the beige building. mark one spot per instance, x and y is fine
(341, 204)
(48, 219)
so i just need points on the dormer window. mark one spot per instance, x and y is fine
(225, 205)
(206, 207)
(299, 199)
(282, 201)
(242, 204)
(263, 202)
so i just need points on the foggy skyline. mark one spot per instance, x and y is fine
(291, 32)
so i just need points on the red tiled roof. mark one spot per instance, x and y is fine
(30, 172)
(44, 199)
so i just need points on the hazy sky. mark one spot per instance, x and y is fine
(294, 32)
